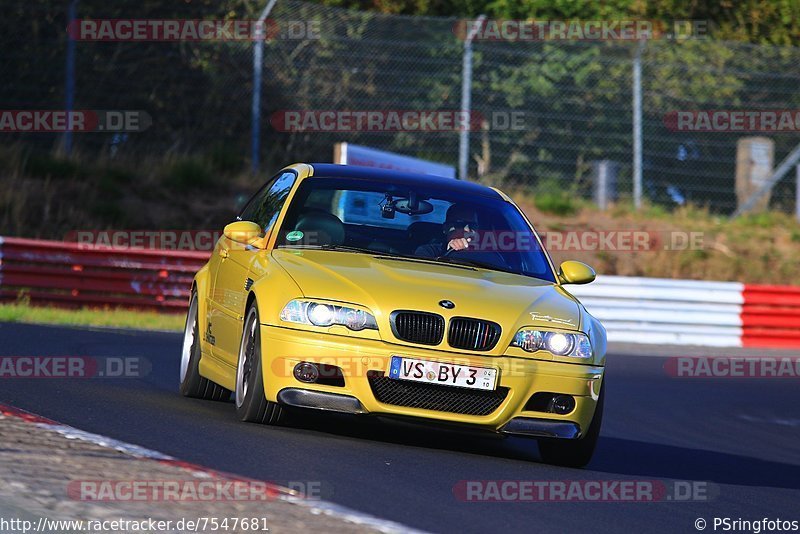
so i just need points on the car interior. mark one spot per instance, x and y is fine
(394, 227)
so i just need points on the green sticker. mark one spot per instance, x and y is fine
(297, 235)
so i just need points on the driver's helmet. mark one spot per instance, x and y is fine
(460, 221)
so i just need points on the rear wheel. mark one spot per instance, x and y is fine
(575, 453)
(192, 384)
(251, 403)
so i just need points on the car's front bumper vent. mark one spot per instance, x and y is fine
(435, 397)
(473, 334)
(418, 327)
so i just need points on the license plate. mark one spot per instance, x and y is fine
(443, 374)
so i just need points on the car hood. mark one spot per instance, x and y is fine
(384, 284)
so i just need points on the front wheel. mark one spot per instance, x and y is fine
(192, 384)
(575, 453)
(251, 403)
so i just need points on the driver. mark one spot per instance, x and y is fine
(458, 230)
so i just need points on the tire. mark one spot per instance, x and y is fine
(251, 404)
(192, 384)
(575, 453)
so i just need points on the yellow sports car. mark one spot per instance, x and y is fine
(367, 291)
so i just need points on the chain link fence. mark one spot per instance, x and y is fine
(197, 93)
(571, 101)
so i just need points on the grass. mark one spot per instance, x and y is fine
(47, 196)
(44, 195)
(549, 196)
(760, 249)
(556, 203)
(24, 313)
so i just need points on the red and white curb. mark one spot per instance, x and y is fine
(315, 507)
(691, 312)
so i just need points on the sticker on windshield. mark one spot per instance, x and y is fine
(296, 235)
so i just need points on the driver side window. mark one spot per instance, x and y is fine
(265, 206)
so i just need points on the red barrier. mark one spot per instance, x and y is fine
(771, 316)
(76, 275)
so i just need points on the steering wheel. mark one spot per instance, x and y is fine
(449, 252)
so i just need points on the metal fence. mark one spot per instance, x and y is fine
(574, 98)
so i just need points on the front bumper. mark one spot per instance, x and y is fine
(358, 358)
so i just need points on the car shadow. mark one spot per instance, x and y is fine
(614, 456)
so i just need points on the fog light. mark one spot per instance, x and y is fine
(561, 404)
(306, 372)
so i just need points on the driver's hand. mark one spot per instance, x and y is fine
(459, 244)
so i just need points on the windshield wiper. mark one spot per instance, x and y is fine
(338, 248)
(419, 259)
(474, 263)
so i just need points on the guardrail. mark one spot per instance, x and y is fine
(73, 275)
(771, 316)
(637, 310)
(689, 312)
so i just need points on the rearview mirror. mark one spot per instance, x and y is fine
(576, 272)
(412, 206)
(244, 232)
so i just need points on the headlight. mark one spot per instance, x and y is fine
(321, 314)
(558, 343)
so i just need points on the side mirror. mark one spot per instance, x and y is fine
(576, 272)
(244, 232)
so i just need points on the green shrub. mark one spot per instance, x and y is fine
(226, 159)
(189, 173)
(550, 196)
(112, 179)
(556, 203)
(109, 213)
(48, 166)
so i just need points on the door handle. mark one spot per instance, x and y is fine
(223, 253)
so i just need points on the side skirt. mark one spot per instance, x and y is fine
(217, 372)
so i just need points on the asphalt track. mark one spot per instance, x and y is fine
(739, 437)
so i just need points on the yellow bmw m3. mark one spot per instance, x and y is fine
(367, 291)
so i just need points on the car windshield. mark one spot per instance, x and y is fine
(425, 223)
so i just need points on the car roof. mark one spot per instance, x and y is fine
(332, 170)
